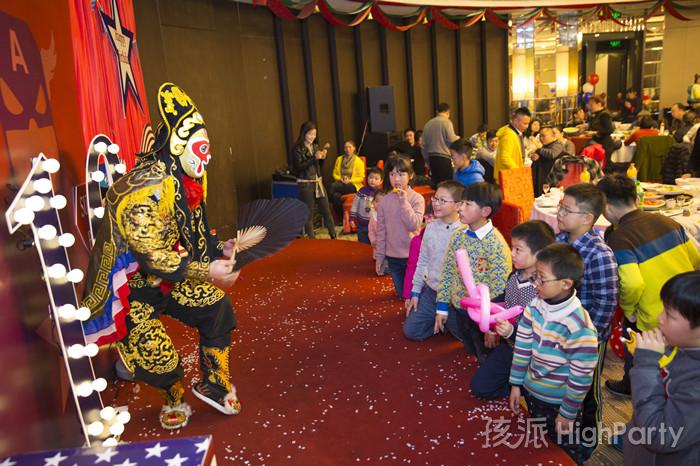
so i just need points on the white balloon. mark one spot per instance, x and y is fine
(116, 429)
(113, 148)
(99, 212)
(588, 87)
(43, 185)
(51, 165)
(95, 428)
(83, 314)
(124, 417)
(23, 216)
(66, 240)
(91, 350)
(48, 232)
(120, 168)
(99, 384)
(97, 176)
(101, 147)
(57, 271)
(58, 201)
(35, 203)
(108, 413)
(67, 311)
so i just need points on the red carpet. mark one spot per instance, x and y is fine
(326, 377)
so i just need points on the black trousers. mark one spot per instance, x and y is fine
(307, 194)
(338, 190)
(440, 169)
(148, 351)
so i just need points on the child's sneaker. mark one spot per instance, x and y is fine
(225, 403)
(175, 417)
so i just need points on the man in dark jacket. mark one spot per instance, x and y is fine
(544, 157)
(601, 127)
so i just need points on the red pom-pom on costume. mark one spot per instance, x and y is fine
(193, 192)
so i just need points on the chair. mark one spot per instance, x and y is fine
(426, 191)
(516, 188)
(573, 175)
(650, 155)
(507, 217)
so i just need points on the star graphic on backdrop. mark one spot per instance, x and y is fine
(201, 446)
(106, 455)
(177, 460)
(54, 460)
(122, 41)
(126, 462)
(8, 462)
(155, 450)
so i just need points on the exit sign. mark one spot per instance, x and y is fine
(615, 43)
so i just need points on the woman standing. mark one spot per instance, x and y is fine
(307, 157)
(531, 138)
(348, 176)
(601, 127)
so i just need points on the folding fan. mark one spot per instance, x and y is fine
(266, 226)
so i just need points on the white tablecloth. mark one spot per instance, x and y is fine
(549, 215)
(624, 154)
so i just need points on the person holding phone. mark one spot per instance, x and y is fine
(307, 158)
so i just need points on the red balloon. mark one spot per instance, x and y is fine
(645, 97)
(593, 79)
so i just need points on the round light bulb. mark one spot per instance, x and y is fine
(98, 212)
(35, 203)
(66, 240)
(116, 429)
(76, 351)
(95, 428)
(82, 314)
(43, 185)
(101, 147)
(57, 271)
(58, 201)
(84, 389)
(67, 312)
(108, 413)
(91, 350)
(113, 148)
(99, 385)
(97, 176)
(75, 276)
(120, 168)
(23, 216)
(51, 165)
(124, 417)
(110, 442)
(47, 233)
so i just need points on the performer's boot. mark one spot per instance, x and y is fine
(216, 389)
(175, 413)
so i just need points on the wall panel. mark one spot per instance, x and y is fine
(471, 80)
(295, 74)
(447, 70)
(422, 75)
(397, 76)
(497, 72)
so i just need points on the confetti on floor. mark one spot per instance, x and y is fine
(326, 377)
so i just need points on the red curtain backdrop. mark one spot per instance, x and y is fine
(98, 78)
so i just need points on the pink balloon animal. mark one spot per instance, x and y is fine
(478, 304)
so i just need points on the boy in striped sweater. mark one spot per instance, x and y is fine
(556, 349)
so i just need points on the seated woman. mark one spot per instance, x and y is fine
(647, 127)
(348, 176)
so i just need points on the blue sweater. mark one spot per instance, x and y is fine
(472, 173)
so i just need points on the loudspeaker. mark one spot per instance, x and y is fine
(376, 146)
(382, 117)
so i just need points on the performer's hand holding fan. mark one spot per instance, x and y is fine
(266, 226)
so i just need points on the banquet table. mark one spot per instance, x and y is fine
(548, 214)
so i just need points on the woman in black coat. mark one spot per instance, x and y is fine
(307, 157)
(601, 127)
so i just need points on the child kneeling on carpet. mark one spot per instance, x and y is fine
(399, 218)
(491, 378)
(362, 204)
(421, 307)
(489, 257)
(556, 350)
(666, 381)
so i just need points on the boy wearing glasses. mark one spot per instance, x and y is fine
(421, 307)
(468, 170)
(578, 211)
(555, 349)
(489, 257)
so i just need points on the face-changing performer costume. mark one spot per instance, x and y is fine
(152, 256)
